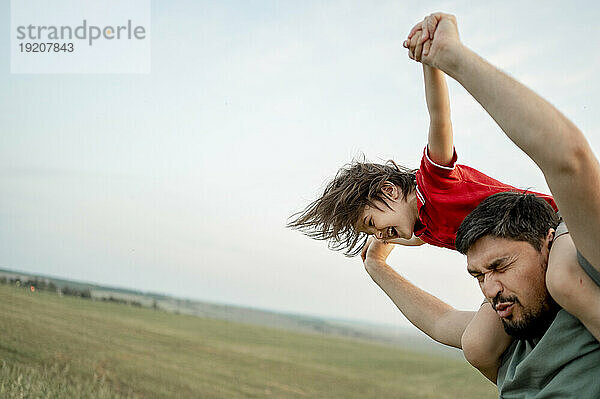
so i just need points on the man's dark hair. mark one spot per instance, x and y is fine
(512, 215)
(333, 216)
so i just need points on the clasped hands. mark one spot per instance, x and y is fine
(433, 39)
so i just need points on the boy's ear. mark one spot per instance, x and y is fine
(390, 190)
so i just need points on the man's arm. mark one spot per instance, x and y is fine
(538, 128)
(429, 314)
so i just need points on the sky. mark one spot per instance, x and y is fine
(180, 181)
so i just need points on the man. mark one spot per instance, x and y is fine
(553, 354)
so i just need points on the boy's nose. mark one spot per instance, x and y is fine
(379, 234)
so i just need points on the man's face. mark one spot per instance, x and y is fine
(394, 219)
(512, 276)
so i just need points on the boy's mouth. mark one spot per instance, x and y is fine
(391, 232)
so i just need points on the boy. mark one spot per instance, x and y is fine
(407, 207)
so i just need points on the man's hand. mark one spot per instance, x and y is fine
(375, 252)
(436, 40)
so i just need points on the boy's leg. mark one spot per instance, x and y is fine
(571, 287)
(484, 341)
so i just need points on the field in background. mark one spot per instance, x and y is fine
(372, 332)
(54, 346)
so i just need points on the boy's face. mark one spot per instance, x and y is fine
(388, 224)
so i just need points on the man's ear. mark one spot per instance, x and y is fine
(390, 191)
(550, 238)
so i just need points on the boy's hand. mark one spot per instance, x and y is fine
(415, 46)
(376, 251)
(436, 39)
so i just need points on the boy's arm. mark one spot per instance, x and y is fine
(414, 241)
(429, 314)
(439, 142)
(484, 341)
(553, 142)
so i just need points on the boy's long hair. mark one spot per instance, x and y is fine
(334, 215)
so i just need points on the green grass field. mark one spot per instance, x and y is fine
(65, 347)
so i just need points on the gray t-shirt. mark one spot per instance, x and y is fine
(563, 363)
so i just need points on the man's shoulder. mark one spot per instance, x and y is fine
(566, 354)
(590, 270)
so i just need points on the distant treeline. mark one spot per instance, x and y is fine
(44, 285)
(47, 285)
(120, 300)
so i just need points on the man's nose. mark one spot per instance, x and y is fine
(491, 286)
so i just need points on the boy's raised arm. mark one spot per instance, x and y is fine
(538, 128)
(439, 141)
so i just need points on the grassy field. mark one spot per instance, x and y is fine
(64, 347)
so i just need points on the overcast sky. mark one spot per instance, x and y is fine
(180, 181)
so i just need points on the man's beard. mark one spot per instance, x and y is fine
(533, 322)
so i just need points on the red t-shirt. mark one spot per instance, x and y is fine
(447, 194)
